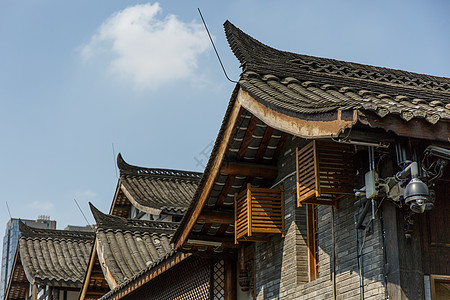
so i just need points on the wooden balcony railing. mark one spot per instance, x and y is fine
(259, 213)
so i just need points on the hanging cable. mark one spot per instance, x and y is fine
(215, 50)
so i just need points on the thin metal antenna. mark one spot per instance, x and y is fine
(87, 222)
(217, 53)
(9, 212)
(114, 160)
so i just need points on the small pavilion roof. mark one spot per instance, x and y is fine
(126, 247)
(54, 257)
(157, 190)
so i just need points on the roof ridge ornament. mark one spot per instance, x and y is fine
(115, 222)
(43, 233)
(262, 59)
(127, 169)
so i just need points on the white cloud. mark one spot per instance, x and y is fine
(146, 48)
(86, 194)
(43, 206)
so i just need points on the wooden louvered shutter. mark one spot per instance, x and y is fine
(324, 172)
(259, 212)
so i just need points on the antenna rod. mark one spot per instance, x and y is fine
(87, 222)
(9, 212)
(217, 53)
(114, 160)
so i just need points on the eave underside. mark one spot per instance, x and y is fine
(251, 157)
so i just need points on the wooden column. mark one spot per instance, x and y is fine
(230, 279)
(34, 292)
(392, 267)
(403, 256)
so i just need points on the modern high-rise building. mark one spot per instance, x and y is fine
(10, 241)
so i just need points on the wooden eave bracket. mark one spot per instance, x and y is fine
(312, 128)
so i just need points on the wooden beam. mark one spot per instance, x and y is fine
(202, 240)
(218, 244)
(416, 127)
(249, 170)
(220, 217)
(307, 126)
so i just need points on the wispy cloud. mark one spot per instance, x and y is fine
(87, 194)
(147, 48)
(42, 206)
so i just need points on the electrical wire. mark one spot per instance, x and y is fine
(214, 46)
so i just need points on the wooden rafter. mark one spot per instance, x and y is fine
(215, 168)
(264, 143)
(280, 145)
(248, 137)
(225, 190)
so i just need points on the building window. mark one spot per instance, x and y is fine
(440, 287)
(313, 247)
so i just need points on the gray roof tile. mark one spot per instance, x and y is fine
(301, 85)
(128, 246)
(170, 191)
(55, 257)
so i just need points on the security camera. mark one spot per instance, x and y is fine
(416, 195)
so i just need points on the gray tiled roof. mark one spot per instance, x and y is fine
(301, 85)
(170, 191)
(55, 257)
(128, 246)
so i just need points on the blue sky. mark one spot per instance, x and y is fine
(77, 76)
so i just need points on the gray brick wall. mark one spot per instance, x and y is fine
(281, 266)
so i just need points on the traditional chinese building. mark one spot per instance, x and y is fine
(49, 264)
(11, 241)
(328, 180)
(132, 257)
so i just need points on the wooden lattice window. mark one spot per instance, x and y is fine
(259, 212)
(324, 172)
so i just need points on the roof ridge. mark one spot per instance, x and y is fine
(256, 56)
(106, 221)
(127, 169)
(32, 232)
